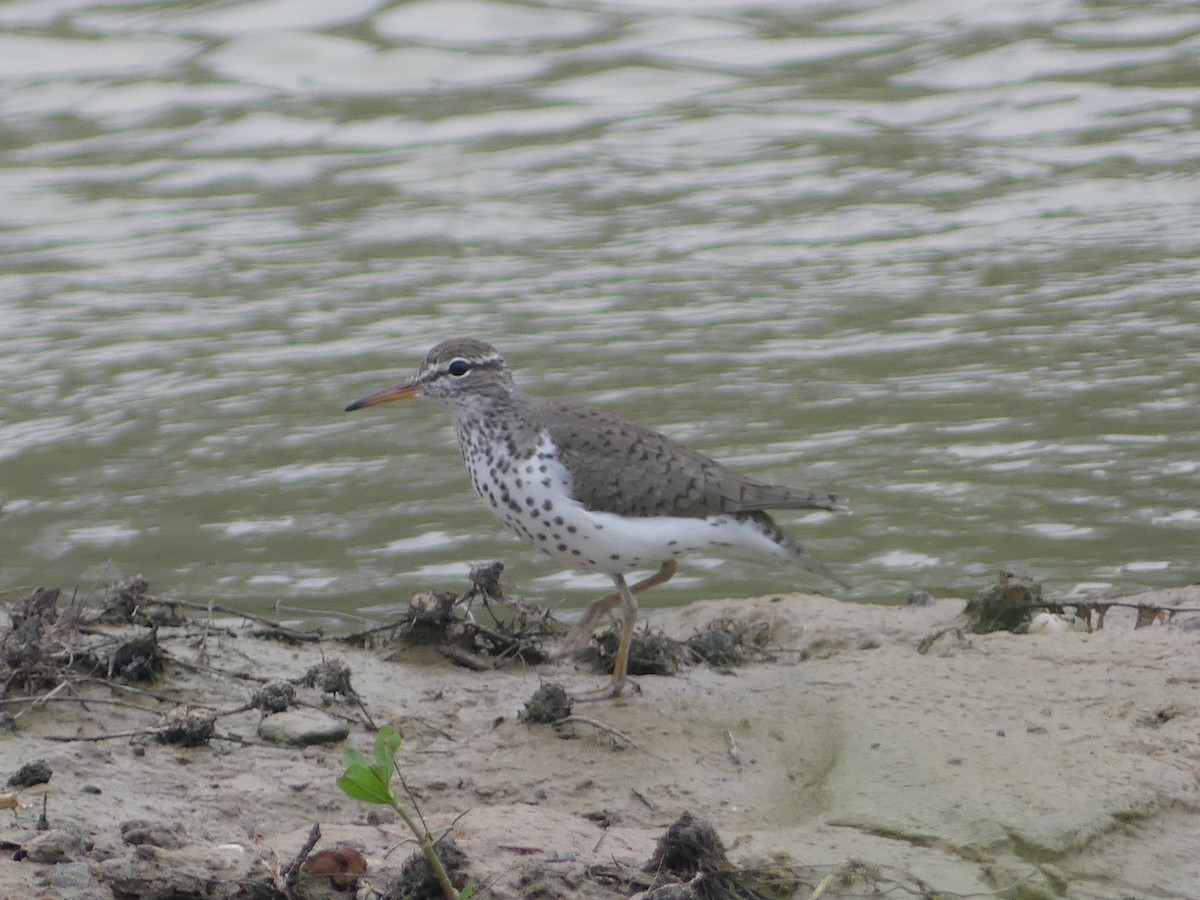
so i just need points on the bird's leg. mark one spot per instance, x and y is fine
(617, 684)
(581, 631)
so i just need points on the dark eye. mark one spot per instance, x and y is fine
(458, 367)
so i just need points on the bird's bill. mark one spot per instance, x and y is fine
(405, 391)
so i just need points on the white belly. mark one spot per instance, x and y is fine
(531, 497)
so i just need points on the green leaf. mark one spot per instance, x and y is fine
(387, 742)
(352, 756)
(363, 783)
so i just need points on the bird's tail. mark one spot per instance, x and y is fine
(794, 553)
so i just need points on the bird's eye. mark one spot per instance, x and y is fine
(458, 367)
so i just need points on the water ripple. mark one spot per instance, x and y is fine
(938, 256)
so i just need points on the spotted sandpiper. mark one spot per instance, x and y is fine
(596, 492)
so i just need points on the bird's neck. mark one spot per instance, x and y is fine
(492, 419)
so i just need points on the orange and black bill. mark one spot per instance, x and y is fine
(405, 391)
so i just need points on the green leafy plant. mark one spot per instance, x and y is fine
(370, 780)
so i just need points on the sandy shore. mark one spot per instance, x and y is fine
(1042, 765)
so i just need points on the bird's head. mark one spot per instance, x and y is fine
(455, 372)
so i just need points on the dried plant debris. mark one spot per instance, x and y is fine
(691, 846)
(129, 601)
(725, 642)
(1015, 603)
(480, 628)
(517, 632)
(430, 614)
(650, 653)
(690, 863)
(33, 640)
(46, 643)
(485, 579)
(38, 610)
(1005, 605)
(138, 658)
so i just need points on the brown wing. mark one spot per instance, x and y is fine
(623, 468)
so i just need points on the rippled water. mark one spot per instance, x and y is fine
(940, 257)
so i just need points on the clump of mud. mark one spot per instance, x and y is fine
(550, 703)
(690, 847)
(274, 696)
(187, 727)
(417, 881)
(331, 676)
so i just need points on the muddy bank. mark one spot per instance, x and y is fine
(856, 748)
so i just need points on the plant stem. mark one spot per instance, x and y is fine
(425, 840)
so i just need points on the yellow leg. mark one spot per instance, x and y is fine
(581, 631)
(629, 619)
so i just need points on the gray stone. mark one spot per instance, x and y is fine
(140, 831)
(301, 727)
(54, 846)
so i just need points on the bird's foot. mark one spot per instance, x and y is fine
(610, 691)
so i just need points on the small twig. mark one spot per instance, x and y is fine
(492, 882)
(929, 640)
(362, 707)
(210, 608)
(574, 719)
(332, 613)
(731, 748)
(212, 670)
(357, 637)
(821, 886)
(68, 738)
(132, 689)
(425, 724)
(291, 874)
(466, 658)
(245, 742)
(650, 806)
(416, 807)
(80, 700)
(151, 732)
(1169, 609)
(45, 698)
